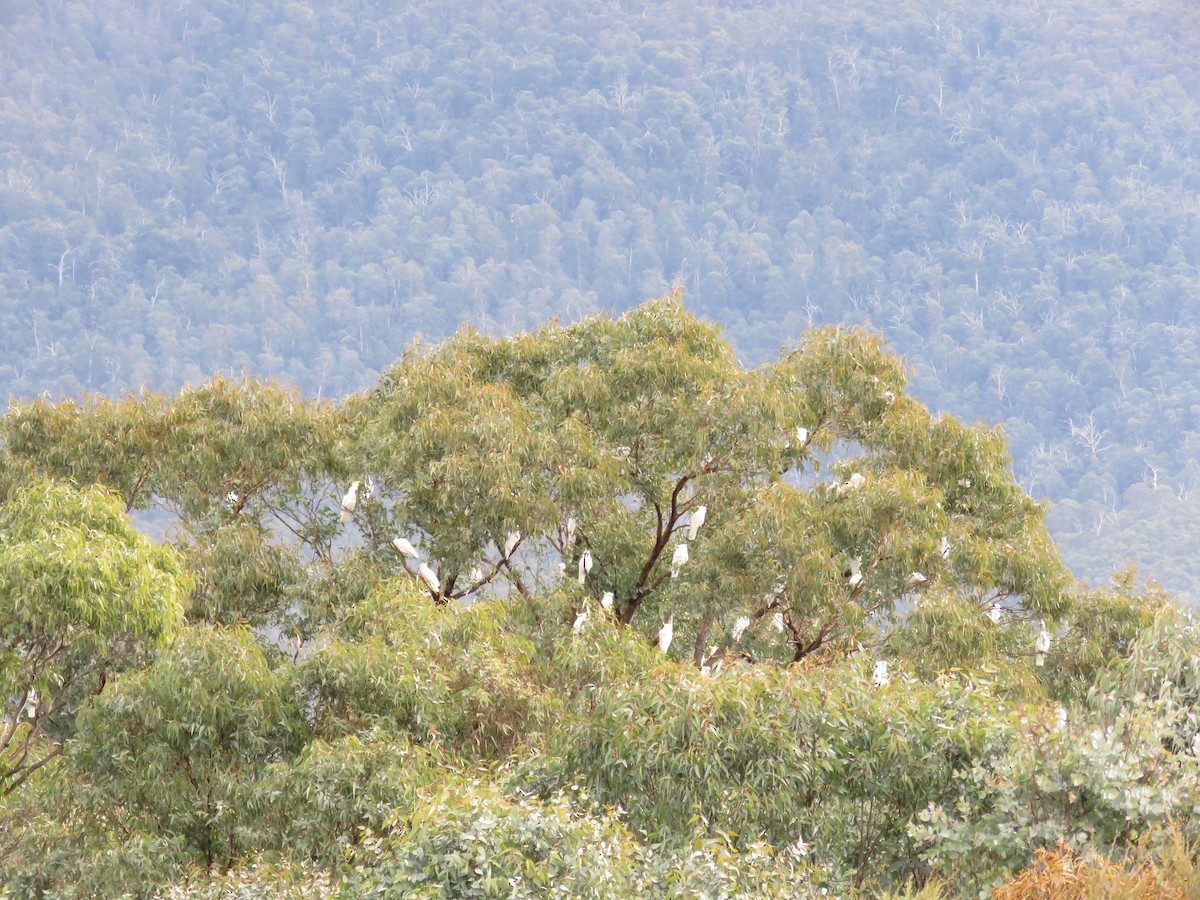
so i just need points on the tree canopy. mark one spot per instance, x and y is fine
(82, 594)
(297, 189)
(372, 657)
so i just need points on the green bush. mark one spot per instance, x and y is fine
(472, 840)
(1097, 782)
(779, 756)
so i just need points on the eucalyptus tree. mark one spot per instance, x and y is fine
(81, 594)
(606, 443)
(241, 474)
(219, 452)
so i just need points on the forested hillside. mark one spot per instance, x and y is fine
(1007, 191)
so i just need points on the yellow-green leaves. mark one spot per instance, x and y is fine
(80, 590)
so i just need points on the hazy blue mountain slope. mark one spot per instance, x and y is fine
(1007, 191)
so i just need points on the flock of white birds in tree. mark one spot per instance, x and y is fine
(680, 558)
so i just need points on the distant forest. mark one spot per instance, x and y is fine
(297, 190)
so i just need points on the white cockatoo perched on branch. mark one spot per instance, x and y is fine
(679, 559)
(739, 627)
(606, 602)
(405, 548)
(880, 675)
(695, 521)
(571, 526)
(585, 565)
(510, 542)
(854, 574)
(853, 483)
(580, 621)
(349, 501)
(666, 634)
(1042, 646)
(916, 579)
(430, 578)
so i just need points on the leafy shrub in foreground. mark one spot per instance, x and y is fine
(781, 756)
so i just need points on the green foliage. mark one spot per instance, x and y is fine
(260, 880)
(240, 575)
(325, 800)
(471, 840)
(1104, 627)
(81, 595)
(182, 747)
(855, 699)
(1090, 782)
(225, 452)
(433, 674)
(822, 756)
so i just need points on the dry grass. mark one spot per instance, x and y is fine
(1168, 872)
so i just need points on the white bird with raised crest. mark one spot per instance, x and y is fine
(580, 621)
(854, 575)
